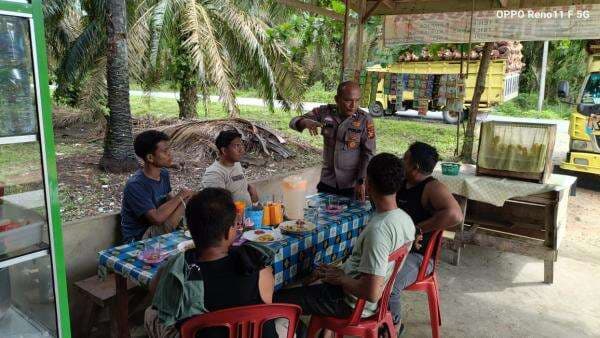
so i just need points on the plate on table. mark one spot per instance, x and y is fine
(334, 209)
(153, 256)
(262, 236)
(297, 226)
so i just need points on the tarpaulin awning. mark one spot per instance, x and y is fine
(533, 24)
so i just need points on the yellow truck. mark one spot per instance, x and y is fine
(500, 85)
(584, 123)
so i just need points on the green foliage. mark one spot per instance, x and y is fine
(180, 68)
(525, 105)
(567, 60)
(318, 93)
(314, 42)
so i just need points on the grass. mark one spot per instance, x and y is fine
(20, 167)
(18, 160)
(392, 135)
(20, 164)
(525, 105)
(316, 93)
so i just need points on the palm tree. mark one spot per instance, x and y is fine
(118, 144)
(221, 39)
(92, 71)
(212, 49)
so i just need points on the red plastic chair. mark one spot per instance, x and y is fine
(243, 321)
(364, 327)
(428, 283)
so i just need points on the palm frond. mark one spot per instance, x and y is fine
(202, 41)
(248, 29)
(94, 93)
(81, 56)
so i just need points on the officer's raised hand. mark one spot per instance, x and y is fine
(359, 191)
(311, 125)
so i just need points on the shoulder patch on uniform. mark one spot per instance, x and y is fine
(371, 129)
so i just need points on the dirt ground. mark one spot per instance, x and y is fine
(87, 191)
(499, 294)
(583, 225)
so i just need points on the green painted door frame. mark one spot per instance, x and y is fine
(33, 9)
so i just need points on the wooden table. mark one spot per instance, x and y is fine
(531, 225)
(295, 254)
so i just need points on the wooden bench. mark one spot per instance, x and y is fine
(100, 294)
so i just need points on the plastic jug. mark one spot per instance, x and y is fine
(294, 196)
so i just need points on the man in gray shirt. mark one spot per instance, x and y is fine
(367, 270)
(227, 172)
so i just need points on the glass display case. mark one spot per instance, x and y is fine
(33, 299)
(516, 150)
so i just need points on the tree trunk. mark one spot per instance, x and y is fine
(188, 99)
(118, 143)
(467, 151)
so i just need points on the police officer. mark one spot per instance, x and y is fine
(348, 141)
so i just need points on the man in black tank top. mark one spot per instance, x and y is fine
(430, 205)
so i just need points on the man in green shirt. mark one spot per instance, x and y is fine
(367, 270)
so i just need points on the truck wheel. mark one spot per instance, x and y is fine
(376, 109)
(451, 118)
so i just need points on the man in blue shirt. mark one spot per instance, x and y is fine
(149, 207)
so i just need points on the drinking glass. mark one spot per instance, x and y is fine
(312, 216)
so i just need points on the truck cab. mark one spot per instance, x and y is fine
(584, 123)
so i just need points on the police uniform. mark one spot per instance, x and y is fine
(348, 145)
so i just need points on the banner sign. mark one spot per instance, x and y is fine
(535, 24)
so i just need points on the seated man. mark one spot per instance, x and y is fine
(367, 269)
(212, 276)
(227, 172)
(431, 207)
(148, 208)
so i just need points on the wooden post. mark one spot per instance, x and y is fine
(467, 151)
(548, 271)
(120, 307)
(345, 44)
(359, 39)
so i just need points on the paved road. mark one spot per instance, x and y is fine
(562, 126)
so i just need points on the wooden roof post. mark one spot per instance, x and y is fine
(359, 39)
(345, 44)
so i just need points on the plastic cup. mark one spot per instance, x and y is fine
(240, 206)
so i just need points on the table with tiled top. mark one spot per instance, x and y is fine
(332, 240)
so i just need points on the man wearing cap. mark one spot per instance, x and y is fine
(348, 141)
